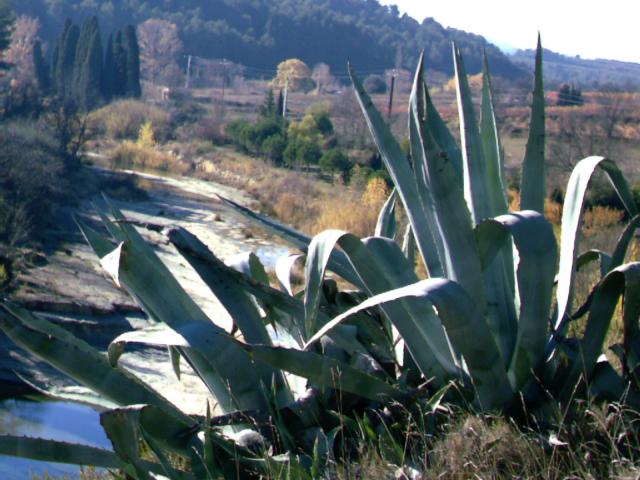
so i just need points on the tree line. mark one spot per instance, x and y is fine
(262, 33)
(84, 73)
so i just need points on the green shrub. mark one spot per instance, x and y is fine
(335, 160)
(302, 152)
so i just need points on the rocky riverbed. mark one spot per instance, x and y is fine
(71, 289)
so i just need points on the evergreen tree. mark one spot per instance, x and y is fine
(280, 104)
(108, 71)
(87, 72)
(268, 108)
(67, 46)
(41, 69)
(119, 66)
(6, 21)
(54, 62)
(132, 53)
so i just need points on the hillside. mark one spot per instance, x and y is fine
(261, 33)
(585, 73)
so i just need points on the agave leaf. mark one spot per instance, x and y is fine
(123, 433)
(409, 246)
(325, 371)
(249, 264)
(386, 224)
(622, 245)
(491, 239)
(401, 173)
(603, 259)
(494, 156)
(80, 361)
(60, 389)
(126, 427)
(284, 267)
(339, 264)
(460, 316)
(536, 265)
(158, 335)
(532, 185)
(318, 256)
(397, 269)
(435, 253)
(58, 452)
(625, 281)
(571, 220)
(217, 361)
(478, 186)
(461, 258)
(392, 260)
(174, 356)
(491, 145)
(417, 323)
(607, 384)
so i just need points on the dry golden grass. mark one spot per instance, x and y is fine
(353, 212)
(123, 119)
(133, 155)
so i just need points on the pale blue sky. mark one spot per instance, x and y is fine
(606, 29)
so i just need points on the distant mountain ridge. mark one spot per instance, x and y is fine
(261, 33)
(597, 73)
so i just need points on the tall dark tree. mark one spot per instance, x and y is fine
(280, 104)
(6, 21)
(132, 52)
(64, 65)
(119, 66)
(268, 107)
(108, 71)
(87, 72)
(41, 68)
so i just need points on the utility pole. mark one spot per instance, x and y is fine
(390, 108)
(187, 82)
(284, 101)
(224, 77)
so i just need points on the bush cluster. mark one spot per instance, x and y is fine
(33, 181)
(309, 142)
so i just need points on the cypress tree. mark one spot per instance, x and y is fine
(54, 62)
(280, 104)
(108, 71)
(66, 59)
(132, 52)
(87, 73)
(120, 66)
(56, 58)
(41, 69)
(7, 17)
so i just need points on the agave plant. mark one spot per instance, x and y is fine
(492, 317)
(495, 312)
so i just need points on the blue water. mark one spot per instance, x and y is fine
(46, 419)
